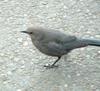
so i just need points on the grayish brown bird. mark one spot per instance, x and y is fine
(56, 43)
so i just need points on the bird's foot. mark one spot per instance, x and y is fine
(50, 66)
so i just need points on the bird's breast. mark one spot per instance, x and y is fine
(40, 46)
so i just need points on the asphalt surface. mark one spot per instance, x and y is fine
(21, 64)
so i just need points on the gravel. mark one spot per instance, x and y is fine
(21, 64)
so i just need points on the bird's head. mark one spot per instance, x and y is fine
(33, 32)
(30, 31)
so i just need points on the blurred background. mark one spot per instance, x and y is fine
(21, 64)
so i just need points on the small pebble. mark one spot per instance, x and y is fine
(65, 7)
(5, 82)
(78, 10)
(82, 27)
(87, 10)
(98, 51)
(20, 39)
(2, 54)
(9, 73)
(78, 74)
(16, 59)
(92, 86)
(25, 43)
(69, 76)
(19, 90)
(66, 85)
(94, 17)
(97, 90)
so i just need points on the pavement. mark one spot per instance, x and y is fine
(21, 64)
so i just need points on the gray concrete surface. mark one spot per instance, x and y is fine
(21, 64)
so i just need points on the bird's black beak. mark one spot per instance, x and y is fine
(25, 32)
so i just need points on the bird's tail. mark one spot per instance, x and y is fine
(92, 42)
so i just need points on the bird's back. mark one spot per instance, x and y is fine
(55, 36)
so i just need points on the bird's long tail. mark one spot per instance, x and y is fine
(92, 42)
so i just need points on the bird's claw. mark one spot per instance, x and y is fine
(50, 66)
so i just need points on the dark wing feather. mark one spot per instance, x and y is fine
(56, 36)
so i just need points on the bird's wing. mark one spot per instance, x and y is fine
(59, 44)
(57, 36)
(55, 49)
(54, 46)
(65, 39)
(63, 43)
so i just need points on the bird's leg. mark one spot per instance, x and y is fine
(53, 65)
(56, 61)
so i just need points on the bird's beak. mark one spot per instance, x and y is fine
(25, 32)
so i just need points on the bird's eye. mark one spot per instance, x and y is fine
(31, 32)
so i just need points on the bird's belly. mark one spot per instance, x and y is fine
(49, 51)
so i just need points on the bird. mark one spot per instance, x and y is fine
(56, 43)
